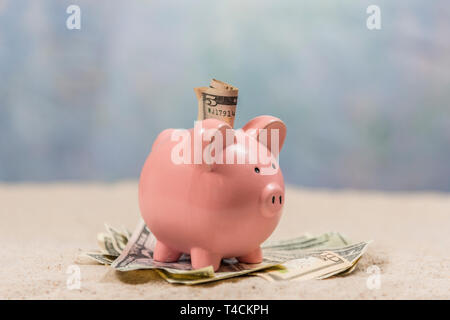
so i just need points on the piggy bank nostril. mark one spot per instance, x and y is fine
(271, 200)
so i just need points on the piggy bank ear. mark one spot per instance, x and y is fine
(215, 136)
(274, 128)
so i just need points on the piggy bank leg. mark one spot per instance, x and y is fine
(163, 253)
(252, 257)
(201, 258)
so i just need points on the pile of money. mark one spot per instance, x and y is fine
(302, 258)
(218, 101)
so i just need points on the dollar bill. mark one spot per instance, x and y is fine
(299, 252)
(313, 263)
(234, 269)
(106, 244)
(218, 101)
(350, 252)
(301, 258)
(309, 267)
(342, 273)
(138, 255)
(127, 232)
(119, 239)
(100, 257)
(325, 240)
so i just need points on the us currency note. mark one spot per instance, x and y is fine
(227, 270)
(342, 273)
(300, 258)
(218, 101)
(307, 268)
(100, 257)
(106, 245)
(351, 269)
(138, 254)
(119, 239)
(350, 252)
(326, 240)
(300, 264)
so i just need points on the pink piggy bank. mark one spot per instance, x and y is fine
(202, 191)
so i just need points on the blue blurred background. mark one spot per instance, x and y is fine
(364, 109)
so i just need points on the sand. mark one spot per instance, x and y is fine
(44, 227)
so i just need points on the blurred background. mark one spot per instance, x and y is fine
(364, 109)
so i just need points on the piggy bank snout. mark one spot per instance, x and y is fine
(272, 200)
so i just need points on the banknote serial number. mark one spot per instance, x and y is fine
(226, 309)
(222, 113)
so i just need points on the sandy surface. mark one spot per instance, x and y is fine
(44, 227)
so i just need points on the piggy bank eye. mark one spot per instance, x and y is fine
(256, 169)
(274, 166)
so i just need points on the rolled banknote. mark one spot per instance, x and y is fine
(218, 101)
